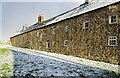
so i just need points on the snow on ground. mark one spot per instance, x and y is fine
(71, 59)
(38, 63)
(32, 65)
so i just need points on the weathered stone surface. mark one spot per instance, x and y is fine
(91, 43)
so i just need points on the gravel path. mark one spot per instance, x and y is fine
(37, 63)
(32, 65)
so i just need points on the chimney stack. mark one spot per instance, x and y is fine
(40, 18)
(24, 27)
(88, 1)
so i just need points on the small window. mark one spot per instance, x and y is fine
(86, 25)
(113, 19)
(66, 43)
(48, 44)
(37, 34)
(54, 43)
(119, 30)
(37, 43)
(42, 38)
(31, 44)
(23, 39)
(54, 31)
(40, 47)
(112, 41)
(66, 29)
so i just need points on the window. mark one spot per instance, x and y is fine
(112, 41)
(23, 39)
(54, 43)
(54, 31)
(113, 19)
(31, 44)
(48, 44)
(37, 42)
(119, 30)
(86, 25)
(66, 43)
(42, 38)
(37, 34)
(66, 29)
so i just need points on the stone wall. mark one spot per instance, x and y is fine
(91, 43)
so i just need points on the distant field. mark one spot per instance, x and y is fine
(6, 62)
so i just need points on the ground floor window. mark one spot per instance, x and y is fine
(42, 38)
(37, 43)
(119, 30)
(112, 41)
(31, 44)
(54, 43)
(66, 43)
(48, 44)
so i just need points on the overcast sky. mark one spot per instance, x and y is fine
(16, 14)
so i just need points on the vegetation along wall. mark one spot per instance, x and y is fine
(94, 35)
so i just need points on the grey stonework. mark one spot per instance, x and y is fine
(91, 43)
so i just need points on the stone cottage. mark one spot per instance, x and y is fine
(91, 31)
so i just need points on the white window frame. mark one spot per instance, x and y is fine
(84, 25)
(54, 30)
(114, 19)
(41, 37)
(37, 34)
(112, 38)
(66, 28)
(65, 43)
(47, 44)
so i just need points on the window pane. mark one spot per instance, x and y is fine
(113, 19)
(113, 41)
(66, 29)
(86, 24)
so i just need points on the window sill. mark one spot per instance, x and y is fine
(113, 23)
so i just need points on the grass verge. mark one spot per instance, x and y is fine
(6, 62)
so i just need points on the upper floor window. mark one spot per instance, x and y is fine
(113, 19)
(66, 29)
(86, 25)
(37, 34)
(112, 41)
(23, 39)
(42, 38)
(54, 31)
(66, 43)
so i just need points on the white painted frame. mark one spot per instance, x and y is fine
(112, 38)
(110, 19)
(65, 42)
(84, 25)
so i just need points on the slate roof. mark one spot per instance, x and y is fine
(86, 7)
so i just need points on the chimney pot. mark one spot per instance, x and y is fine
(40, 18)
(88, 1)
(24, 27)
